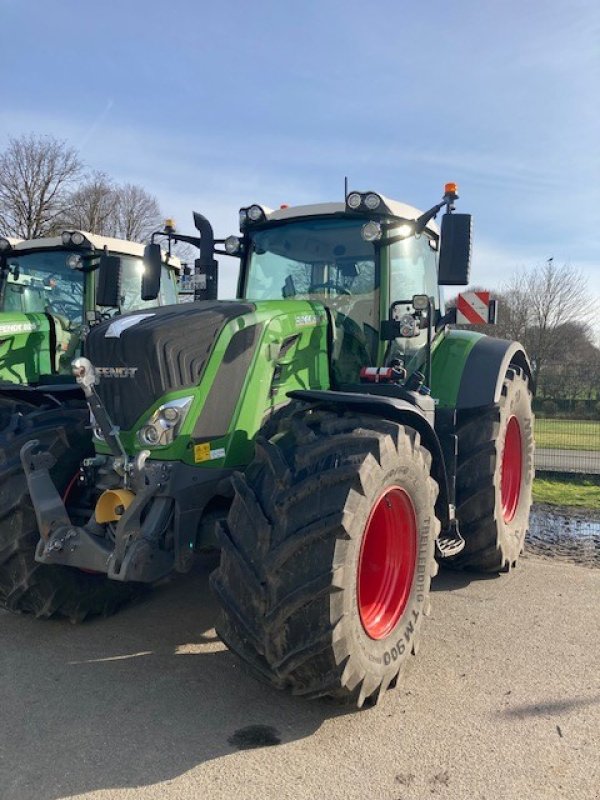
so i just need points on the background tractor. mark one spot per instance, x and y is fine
(52, 290)
(337, 430)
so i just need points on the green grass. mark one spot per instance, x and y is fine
(568, 434)
(567, 492)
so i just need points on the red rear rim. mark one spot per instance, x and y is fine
(512, 469)
(387, 562)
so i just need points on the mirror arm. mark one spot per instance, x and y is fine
(447, 200)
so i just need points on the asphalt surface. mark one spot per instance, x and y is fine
(579, 461)
(503, 701)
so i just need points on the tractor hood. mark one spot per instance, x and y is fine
(141, 356)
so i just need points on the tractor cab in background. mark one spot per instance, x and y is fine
(53, 289)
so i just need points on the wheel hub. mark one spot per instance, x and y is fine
(387, 562)
(511, 470)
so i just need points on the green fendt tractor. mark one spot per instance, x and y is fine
(52, 290)
(327, 429)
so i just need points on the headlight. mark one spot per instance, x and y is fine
(372, 201)
(150, 435)
(164, 425)
(4, 245)
(74, 261)
(233, 245)
(66, 237)
(77, 238)
(371, 231)
(354, 200)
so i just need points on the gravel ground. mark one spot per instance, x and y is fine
(502, 702)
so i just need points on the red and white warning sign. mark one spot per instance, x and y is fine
(472, 308)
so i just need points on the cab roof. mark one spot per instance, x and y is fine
(397, 209)
(115, 246)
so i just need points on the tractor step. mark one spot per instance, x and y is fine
(450, 542)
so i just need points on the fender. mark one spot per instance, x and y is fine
(395, 410)
(468, 368)
(485, 369)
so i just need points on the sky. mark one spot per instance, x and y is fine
(213, 106)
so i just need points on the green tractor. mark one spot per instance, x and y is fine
(327, 430)
(52, 291)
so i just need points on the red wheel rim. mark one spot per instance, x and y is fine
(387, 562)
(512, 469)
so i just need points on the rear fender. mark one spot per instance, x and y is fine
(485, 369)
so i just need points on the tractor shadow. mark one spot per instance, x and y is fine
(449, 580)
(133, 700)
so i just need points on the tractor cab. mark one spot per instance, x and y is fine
(361, 260)
(371, 262)
(51, 289)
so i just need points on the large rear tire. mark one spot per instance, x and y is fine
(495, 477)
(25, 585)
(327, 555)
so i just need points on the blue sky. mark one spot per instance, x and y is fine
(216, 105)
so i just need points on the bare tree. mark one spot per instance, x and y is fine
(93, 206)
(138, 213)
(36, 176)
(556, 297)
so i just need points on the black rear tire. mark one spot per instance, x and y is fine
(25, 585)
(288, 582)
(494, 530)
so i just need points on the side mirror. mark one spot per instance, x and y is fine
(152, 272)
(455, 250)
(108, 283)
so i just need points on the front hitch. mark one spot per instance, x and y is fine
(135, 555)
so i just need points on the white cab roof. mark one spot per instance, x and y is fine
(400, 210)
(116, 246)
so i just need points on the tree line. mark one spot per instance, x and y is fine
(45, 188)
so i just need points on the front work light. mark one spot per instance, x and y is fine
(405, 230)
(74, 261)
(255, 213)
(371, 231)
(372, 201)
(232, 245)
(354, 200)
(73, 237)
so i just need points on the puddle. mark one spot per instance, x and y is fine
(255, 736)
(572, 537)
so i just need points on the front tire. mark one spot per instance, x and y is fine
(26, 585)
(328, 555)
